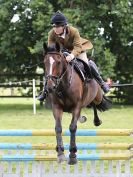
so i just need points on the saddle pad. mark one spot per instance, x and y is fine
(81, 68)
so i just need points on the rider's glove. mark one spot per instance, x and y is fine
(70, 57)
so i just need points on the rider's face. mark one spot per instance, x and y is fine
(58, 29)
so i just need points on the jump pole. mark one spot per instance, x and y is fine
(80, 146)
(66, 132)
(53, 157)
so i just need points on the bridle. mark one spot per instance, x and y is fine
(57, 79)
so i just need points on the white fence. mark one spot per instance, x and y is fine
(92, 168)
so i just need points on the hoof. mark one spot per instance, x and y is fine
(61, 158)
(97, 123)
(72, 161)
(82, 119)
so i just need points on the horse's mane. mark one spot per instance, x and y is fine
(51, 48)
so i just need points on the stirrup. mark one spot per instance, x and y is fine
(42, 95)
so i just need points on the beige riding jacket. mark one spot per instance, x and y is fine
(72, 41)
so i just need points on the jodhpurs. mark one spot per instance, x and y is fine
(83, 56)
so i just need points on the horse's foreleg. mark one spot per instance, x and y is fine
(58, 129)
(97, 121)
(73, 128)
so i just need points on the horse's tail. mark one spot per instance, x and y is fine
(105, 104)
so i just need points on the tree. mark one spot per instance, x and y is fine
(17, 38)
(113, 45)
(108, 24)
(118, 34)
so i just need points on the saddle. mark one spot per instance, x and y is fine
(82, 68)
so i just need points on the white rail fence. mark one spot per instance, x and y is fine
(94, 168)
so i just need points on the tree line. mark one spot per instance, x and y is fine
(24, 25)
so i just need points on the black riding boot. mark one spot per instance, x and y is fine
(43, 94)
(97, 76)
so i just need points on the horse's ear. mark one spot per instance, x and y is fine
(45, 48)
(57, 45)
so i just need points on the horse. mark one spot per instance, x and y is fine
(68, 93)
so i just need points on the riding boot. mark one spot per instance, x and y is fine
(43, 94)
(97, 76)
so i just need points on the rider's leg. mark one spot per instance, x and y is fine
(91, 62)
(97, 76)
(83, 56)
(43, 93)
(94, 71)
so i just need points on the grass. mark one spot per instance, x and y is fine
(18, 114)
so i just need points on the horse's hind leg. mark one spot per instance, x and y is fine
(97, 121)
(73, 128)
(58, 129)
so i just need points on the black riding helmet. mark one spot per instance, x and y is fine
(58, 19)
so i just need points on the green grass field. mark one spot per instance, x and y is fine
(18, 114)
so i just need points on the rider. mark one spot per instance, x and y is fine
(69, 38)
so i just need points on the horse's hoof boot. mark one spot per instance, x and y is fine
(72, 161)
(61, 158)
(97, 123)
(82, 119)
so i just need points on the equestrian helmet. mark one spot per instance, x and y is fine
(58, 19)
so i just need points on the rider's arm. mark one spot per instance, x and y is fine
(77, 46)
(51, 38)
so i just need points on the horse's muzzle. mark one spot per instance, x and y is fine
(51, 90)
(51, 86)
(52, 83)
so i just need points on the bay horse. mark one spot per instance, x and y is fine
(70, 94)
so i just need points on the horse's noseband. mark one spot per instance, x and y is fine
(52, 77)
(56, 79)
